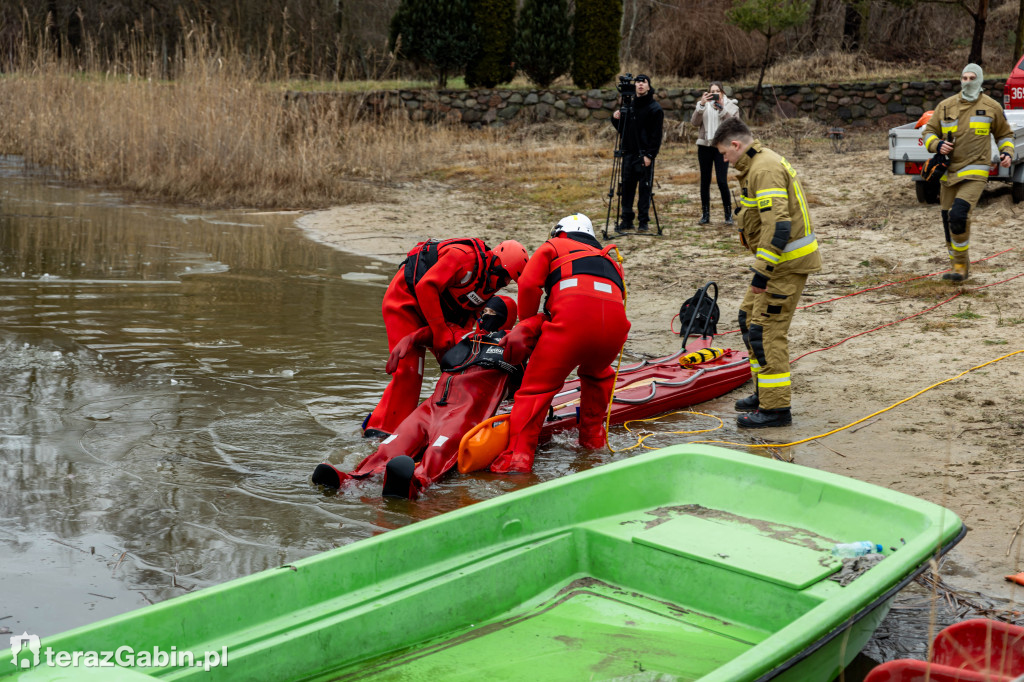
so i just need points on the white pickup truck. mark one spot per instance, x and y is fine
(907, 151)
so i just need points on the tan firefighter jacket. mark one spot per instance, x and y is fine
(775, 223)
(971, 124)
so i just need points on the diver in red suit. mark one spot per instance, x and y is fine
(586, 328)
(476, 378)
(440, 285)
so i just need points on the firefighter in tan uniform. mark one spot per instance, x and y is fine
(776, 226)
(970, 119)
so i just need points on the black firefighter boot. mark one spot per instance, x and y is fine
(762, 419)
(728, 215)
(748, 404)
(705, 215)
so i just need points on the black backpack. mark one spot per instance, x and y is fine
(425, 255)
(699, 314)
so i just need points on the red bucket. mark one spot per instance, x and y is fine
(979, 650)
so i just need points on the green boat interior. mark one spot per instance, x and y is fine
(682, 564)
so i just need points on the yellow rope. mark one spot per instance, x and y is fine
(842, 428)
(611, 398)
(641, 439)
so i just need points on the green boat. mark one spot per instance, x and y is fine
(692, 562)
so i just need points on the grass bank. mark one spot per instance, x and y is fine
(215, 136)
(220, 135)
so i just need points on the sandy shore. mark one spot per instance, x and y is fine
(957, 444)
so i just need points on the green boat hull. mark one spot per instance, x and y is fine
(692, 562)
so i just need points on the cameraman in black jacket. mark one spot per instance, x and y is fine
(640, 126)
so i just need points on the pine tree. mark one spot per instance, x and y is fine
(544, 43)
(769, 18)
(595, 55)
(438, 33)
(492, 64)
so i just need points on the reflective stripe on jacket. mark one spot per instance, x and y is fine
(774, 219)
(565, 265)
(972, 125)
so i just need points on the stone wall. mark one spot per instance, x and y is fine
(885, 104)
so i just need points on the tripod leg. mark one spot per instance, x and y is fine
(615, 182)
(654, 207)
(611, 194)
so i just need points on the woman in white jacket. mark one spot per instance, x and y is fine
(712, 108)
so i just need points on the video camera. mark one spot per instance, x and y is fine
(626, 86)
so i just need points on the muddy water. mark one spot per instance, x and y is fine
(168, 380)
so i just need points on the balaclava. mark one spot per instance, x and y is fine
(506, 310)
(972, 89)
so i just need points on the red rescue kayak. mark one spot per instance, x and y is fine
(652, 387)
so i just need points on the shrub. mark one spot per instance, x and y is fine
(544, 43)
(595, 55)
(437, 33)
(492, 64)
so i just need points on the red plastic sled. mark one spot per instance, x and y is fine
(652, 387)
(979, 650)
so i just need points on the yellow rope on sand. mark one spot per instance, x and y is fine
(641, 439)
(805, 440)
(611, 398)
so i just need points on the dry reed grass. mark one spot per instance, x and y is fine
(554, 165)
(837, 67)
(220, 133)
(214, 136)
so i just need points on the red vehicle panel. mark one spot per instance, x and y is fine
(1013, 91)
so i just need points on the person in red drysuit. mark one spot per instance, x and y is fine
(441, 285)
(475, 380)
(586, 329)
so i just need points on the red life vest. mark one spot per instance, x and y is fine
(460, 302)
(583, 268)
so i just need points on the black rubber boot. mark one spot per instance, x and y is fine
(375, 433)
(728, 215)
(748, 404)
(624, 226)
(763, 419)
(705, 215)
(326, 475)
(398, 477)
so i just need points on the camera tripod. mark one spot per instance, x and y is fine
(615, 182)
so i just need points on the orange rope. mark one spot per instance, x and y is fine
(909, 317)
(862, 291)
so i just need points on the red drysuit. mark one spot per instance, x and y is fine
(465, 395)
(587, 329)
(451, 290)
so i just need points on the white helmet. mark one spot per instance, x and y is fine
(577, 222)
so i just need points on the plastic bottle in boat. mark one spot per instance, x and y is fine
(845, 550)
